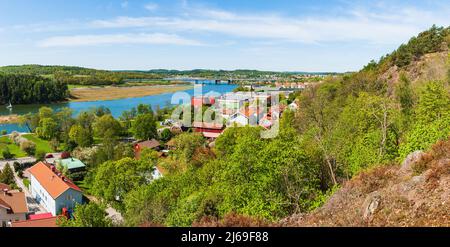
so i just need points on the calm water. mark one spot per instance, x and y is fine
(116, 106)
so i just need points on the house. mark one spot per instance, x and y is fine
(13, 206)
(203, 101)
(138, 147)
(232, 102)
(72, 164)
(238, 119)
(52, 189)
(247, 116)
(209, 130)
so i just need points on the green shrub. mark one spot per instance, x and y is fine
(7, 154)
(28, 147)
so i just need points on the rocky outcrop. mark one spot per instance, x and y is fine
(415, 193)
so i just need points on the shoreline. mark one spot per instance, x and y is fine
(114, 93)
(10, 119)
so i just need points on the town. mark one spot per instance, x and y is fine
(43, 191)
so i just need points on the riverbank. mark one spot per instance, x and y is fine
(9, 119)
(112, 93)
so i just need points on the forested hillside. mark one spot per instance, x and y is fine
(27, 89)
(345, 126)
(78, 75)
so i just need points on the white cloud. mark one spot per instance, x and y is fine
(386, 27)
(151, 6)
(109, 39)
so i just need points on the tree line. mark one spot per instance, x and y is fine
(29, 89)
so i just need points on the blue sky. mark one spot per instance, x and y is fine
(282, 35)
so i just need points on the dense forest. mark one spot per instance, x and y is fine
(28, 89)
(78, 75)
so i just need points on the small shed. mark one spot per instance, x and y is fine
(72, 164)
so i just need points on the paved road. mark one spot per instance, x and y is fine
(33, 206)
(20, 160)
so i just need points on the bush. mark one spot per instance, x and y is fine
(4, 132)
(77, 176)
(26, 182)
(40, 155)
(7, 154)
(28, 147)
(19, 168)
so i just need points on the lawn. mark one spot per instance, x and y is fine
(13, 148)
(41, 145)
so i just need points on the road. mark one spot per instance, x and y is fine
(33, 206)
(20, 160)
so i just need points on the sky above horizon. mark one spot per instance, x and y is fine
(282, 35)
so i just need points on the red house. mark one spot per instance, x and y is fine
(209, 130)
(200, 101)
(152, 144)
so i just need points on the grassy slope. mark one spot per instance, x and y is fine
(40, 144)
(14, 149)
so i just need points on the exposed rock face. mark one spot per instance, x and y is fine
(371, 205)
(415, 193)
(406, 166)
(433, 66)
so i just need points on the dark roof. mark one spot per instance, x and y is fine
(149, 144)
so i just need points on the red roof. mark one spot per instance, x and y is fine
(211, 134)
(47, 222)
(40, 216)
(204, 125)
(55, 185)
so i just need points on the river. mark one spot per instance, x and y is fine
(116, 106)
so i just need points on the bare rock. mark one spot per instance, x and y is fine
(406, 167)
(371, 205)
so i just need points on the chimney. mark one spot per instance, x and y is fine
(5, 191)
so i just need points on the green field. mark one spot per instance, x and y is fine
(41, 145)
(13, 148)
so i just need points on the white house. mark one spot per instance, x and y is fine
(52, 190)
(13, 206)
(238, 119)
